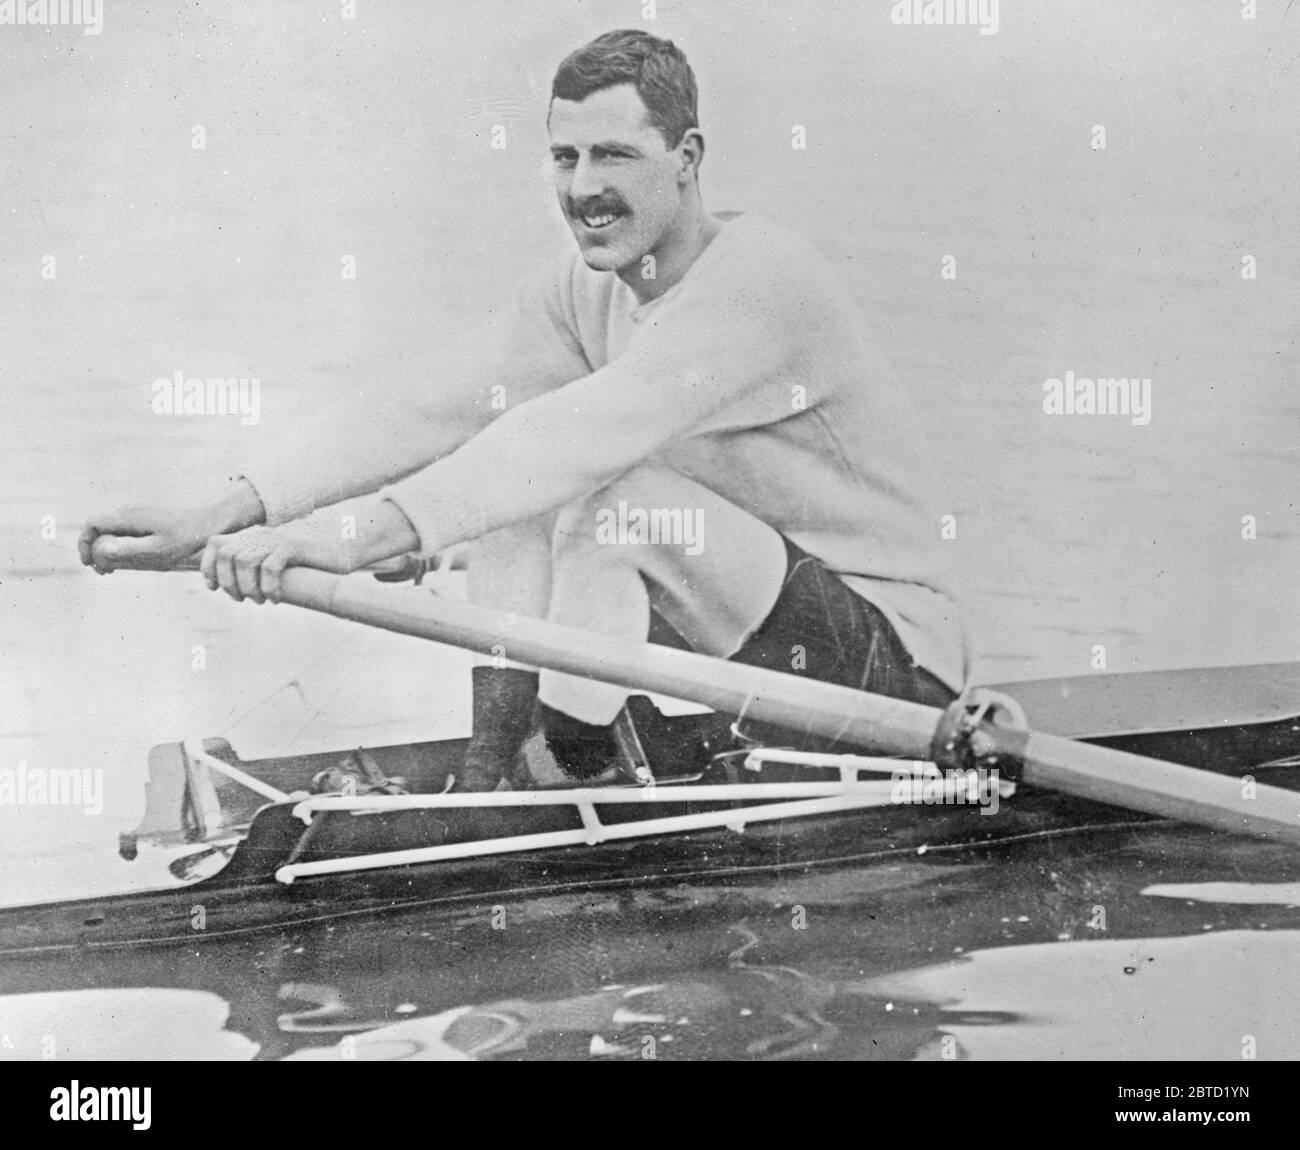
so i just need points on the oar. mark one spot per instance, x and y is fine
(873, 721)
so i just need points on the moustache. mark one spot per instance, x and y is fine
(598, 207)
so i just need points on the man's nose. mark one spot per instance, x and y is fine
(586, 181)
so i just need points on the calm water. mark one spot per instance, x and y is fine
(951, 955)
(369, 138)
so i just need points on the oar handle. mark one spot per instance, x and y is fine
(395, 566)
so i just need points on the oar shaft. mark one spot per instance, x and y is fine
(862, 719)
(873, 721)
(1171, 790)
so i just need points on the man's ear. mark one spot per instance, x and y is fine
(691, 150)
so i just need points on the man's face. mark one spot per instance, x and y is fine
(619, 185)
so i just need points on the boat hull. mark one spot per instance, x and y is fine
(244, 896)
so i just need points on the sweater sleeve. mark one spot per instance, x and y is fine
(354, 447)
(709, 347)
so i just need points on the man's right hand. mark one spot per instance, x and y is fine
(160, 538)
(145, 538)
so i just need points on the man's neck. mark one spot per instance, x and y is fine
(674, 257)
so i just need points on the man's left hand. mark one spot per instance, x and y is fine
(250, 563)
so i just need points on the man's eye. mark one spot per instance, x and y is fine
(564, 161)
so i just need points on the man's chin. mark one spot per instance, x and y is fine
(600, 258)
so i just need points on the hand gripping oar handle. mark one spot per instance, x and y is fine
(882, 724)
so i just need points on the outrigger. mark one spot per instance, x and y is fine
(258, 845)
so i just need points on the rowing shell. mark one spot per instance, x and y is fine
(273, 855)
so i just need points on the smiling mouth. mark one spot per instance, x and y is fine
(599, 222)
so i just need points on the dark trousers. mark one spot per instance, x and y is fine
(820, 627)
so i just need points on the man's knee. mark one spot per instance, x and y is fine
(510, 569)
(505, 543)
(650, 502)
(583, 528)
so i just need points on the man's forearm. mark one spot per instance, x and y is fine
(350, 536)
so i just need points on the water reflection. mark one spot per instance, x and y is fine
(1187, 998)
(1237, 893)
(119, 1025)
(774, 1012)
(983, 954)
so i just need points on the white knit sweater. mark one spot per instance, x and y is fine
(753, 375)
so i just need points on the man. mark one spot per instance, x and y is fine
(680, 368)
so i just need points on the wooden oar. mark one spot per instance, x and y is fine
(882, 724)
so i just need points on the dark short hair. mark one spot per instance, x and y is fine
(658, 69)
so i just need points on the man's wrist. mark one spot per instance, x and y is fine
(389, 532)
(240, 507)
